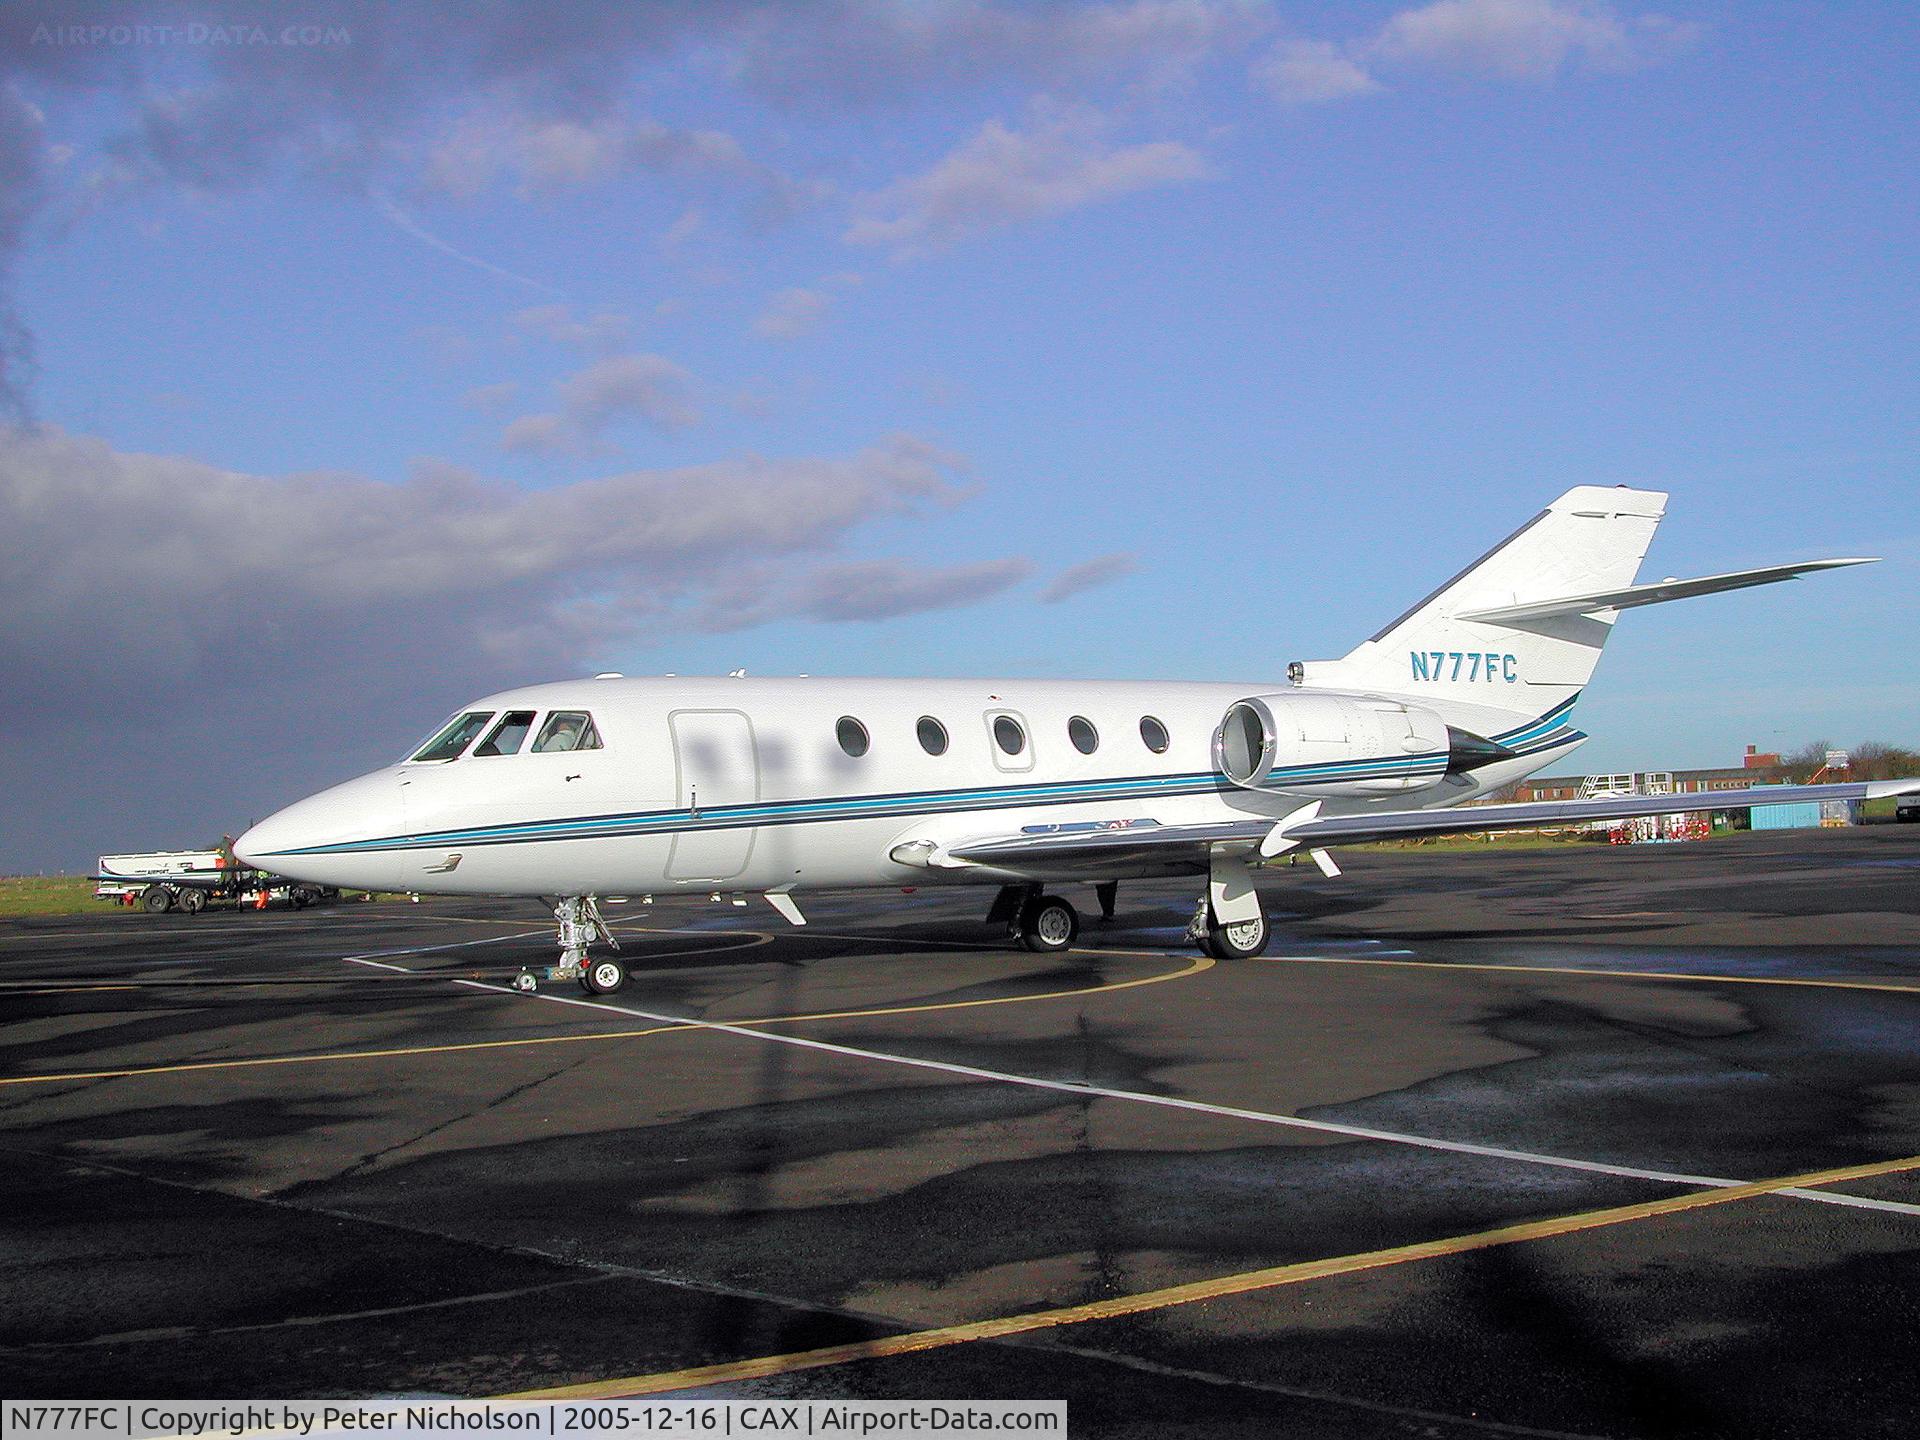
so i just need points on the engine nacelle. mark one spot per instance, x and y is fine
(1330, 744)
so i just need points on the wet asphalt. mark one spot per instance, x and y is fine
(431, 1187)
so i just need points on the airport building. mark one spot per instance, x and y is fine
(1757, 768)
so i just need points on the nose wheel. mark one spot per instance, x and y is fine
(603, 976)
(580, 925)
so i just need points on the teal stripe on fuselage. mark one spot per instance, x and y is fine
(905, 804)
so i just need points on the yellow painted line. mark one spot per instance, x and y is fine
(1193, 967)
(1836, 983)
(57, 1077)
(1247, 1282)
(325, 1058)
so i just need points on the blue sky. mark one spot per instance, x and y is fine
(359, 368)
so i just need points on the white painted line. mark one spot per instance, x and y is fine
(1858, 1201)
(430, 949)
(1171, 1102)
(375, 964)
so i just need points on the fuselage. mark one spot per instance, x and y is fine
(778, 784)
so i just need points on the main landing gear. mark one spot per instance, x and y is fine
(580, 925)
(1044, 924)
(1230, 940)
(1228, 924)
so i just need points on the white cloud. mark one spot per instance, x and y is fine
(839, 51)
(1519, 40)
(1526, 39)
(320, 621)
(1088, 575)
(605, 331)
(793, 313)
(801, 310)
(445, 559)
(1311, 72)
(491, 398)
(541, 154)
(677, 235)
(621, 387)
(1000, 177)
(883, 589)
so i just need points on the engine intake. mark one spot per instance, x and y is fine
(1341, 745)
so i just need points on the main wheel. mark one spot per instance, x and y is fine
(1241, 941)
(603, 977)
(192, 902)
(301, 896)
(1048, 925)
(156, 899)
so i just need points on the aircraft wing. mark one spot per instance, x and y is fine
(1144, 847)
(1654, 594)
(1471, 819)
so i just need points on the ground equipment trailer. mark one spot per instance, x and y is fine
(191, 880)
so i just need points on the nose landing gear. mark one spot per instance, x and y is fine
(580, 925)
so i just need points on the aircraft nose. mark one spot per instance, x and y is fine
(331, 838)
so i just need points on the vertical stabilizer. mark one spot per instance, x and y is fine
(1591, 539)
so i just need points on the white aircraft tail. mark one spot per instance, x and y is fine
(1561, 567)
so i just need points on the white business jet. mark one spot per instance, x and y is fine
(774, 787)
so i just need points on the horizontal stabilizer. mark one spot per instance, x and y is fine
(1632, 595)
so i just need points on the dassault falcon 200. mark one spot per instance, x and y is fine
(617, 787)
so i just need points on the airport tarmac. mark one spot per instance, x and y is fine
(1582, 1141)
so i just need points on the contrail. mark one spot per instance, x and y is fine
(406, 223)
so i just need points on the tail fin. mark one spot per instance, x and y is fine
(1590, 540)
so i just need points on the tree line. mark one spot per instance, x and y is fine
(1870, 760)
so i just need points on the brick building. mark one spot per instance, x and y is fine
(1757, 769)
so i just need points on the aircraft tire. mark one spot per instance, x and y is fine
(155, 900)
(604, 976)
(1049, 925)
(192, 902)
(1237, 942)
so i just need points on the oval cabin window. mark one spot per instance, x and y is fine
(852, 735)
(933, 736)
(1085, 738)
(1008, 735)
(1154, 734)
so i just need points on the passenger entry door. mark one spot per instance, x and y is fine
(717, 767)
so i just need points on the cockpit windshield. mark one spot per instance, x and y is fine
(567, 730)
(459, 734)
(508, 736)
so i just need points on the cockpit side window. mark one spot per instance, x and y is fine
(567, 730)
(459, 734)
(508, 736)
